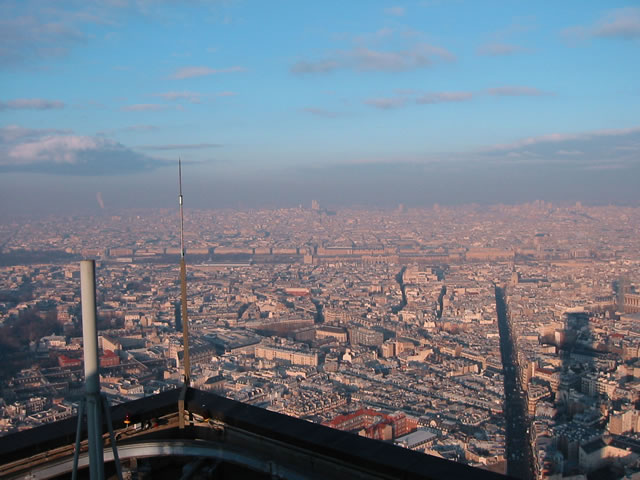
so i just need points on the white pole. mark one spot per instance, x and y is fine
(89, 325)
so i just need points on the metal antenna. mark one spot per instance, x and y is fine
(183, 286)
(183, 301)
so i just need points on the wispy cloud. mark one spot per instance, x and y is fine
(191, 72)
(364, 59)
(566, 158)
(500, 49)
(28, 37)
(406, 96)
(140, 128)
(569, 152)
(421, 55)
(444, 97)
(89, 105)
(371, 38)
(623, 23)
(603, 167)
(386, 103)
(184, 146)
(193, 97)
(396, 11)
(144, 107)
(614, 138)
(12, 133)
(406, 91)
(515, 91)
(321, 112)
(319, 66)
(32, 31)
(129, 129)
(31, 104)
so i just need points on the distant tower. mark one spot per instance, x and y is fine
(621, 287)
(315, 206)
(515, 275)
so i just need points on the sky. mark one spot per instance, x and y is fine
(275, 103)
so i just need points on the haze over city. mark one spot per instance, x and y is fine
(275, 103)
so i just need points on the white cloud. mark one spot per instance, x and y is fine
(55, 149)
(47, 151)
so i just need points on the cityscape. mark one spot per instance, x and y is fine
(308, 240)
(492, 336)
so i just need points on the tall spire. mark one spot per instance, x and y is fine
(183, 286)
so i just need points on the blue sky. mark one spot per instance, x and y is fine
(275, 103)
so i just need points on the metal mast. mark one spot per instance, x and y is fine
(183, 286)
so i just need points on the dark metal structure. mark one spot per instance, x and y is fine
(224, 439)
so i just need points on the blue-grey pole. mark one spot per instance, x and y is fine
(91, 365)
